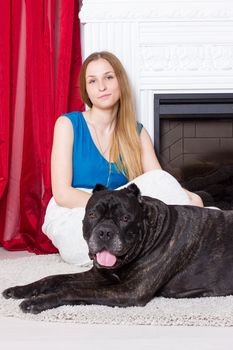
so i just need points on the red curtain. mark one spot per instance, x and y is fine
(40, 59)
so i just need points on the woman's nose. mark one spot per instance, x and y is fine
(102, 85)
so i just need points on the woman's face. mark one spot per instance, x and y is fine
(101, 84)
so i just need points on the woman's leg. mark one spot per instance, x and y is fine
(195, 199)
(163, 186)
(64, 227)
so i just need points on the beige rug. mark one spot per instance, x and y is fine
(159, 312)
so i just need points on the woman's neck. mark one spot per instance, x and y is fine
(102, 119)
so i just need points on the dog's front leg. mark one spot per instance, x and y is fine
(70, 294)
(41, 303)
(45, 285)
(49, 285)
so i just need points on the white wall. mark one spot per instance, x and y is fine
(165, 45)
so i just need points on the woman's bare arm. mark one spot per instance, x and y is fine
(149, 159)
(61, 167)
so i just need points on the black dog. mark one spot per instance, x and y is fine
(141, 248)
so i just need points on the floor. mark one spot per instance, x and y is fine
(21, 334)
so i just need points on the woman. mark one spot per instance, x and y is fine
(102, 145)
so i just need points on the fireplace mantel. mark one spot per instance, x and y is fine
(166, 46)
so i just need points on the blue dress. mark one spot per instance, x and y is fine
(89, 166)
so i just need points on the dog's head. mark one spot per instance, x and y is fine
(112, 225)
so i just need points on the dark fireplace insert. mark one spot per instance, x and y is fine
(193, 138)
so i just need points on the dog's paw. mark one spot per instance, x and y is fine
(20, 292)
(13, 292)
(31, 306)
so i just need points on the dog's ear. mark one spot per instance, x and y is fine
(132, 188)
(99, 187)
(151, 214)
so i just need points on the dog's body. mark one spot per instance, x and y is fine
(142, 248)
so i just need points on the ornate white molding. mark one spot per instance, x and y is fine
(157, 10)
(187, 58)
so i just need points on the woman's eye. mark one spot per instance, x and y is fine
(91, 81)
(125, 218)
(109, 77)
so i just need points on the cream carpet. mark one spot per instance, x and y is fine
(159, 312)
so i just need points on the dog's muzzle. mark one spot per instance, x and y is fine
(105, 244)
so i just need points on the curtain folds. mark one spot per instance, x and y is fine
(40, 59)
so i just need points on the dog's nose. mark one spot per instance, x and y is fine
(105, 234)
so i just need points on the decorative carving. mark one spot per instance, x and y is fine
(184, 57)
(156, 10)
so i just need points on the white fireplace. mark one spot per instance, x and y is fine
(167, 46)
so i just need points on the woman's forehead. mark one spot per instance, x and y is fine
(99, 67)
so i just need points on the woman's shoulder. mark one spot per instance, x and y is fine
(68, 120)
(73, 116)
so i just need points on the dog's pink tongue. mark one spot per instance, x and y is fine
(105, 258)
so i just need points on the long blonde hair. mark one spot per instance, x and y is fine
(126, 148)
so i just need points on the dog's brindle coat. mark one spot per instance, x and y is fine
(150, 249)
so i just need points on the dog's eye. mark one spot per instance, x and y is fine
(92, 215)
(124, 218)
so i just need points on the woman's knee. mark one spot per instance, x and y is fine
(195, 199)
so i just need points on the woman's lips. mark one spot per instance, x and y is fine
(104, 96)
